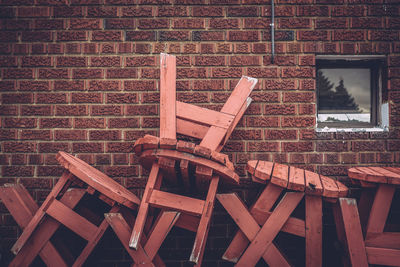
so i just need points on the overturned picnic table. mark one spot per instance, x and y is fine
(378, 187)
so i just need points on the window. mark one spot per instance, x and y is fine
(349, 92)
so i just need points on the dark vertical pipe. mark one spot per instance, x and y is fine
(272, 31)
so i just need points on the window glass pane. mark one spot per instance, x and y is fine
(344, 94)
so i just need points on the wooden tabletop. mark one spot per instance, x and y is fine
(295, 179)
(98, 180)
(381, 175)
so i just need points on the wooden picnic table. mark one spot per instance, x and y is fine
(378, 187)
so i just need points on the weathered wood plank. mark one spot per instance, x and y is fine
(167, 96)
(313, 222)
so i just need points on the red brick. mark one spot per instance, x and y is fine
(136, 134)
(208, 36)
(90, 48)
(298, 97)
(122, 24)
(87, 74)
(8, 134)
(366, 23)
(86, 98)
(84, 123)
(306, 109)
(8, 36)
(120, 147)
(193, 97)
(17, 73)
(316, 35)
(348, 11)
(185, 73)
(246, 135)
(265, 97)
(256, 23)
(34, 86)
(17, 98)
(8, 61)
(298, 122)
(72, 36)
(208, 85)
(121, 98)
(73, 48)
(150, 122)
(53, 74)
(380, 35)
(18, 171)
(36, 111)
(87, 147)
(121, 171)
(36, 135)
(55, 123)
(16, 24)
(297, 146)
(248, 36)
(71, 62)
(227, 72)
(294, 23)
(344, 35)
(18, 159)
(207, 11)
(33, 12)
(333, 170)
(312, 11)
(107, 36)
(49, 24)
(23, 147)
(142, 110)
(280, 84)
(102, 11)
(174, 36)
(69, 85)
(207, 48)
(153, 23)
(49, 171)
(105, 135)
(85, 24)
(334, 23)
(332, 146)
(51, 98)
(142, 48)
(142, 11)
(74, 110)
(209, 60)
(172, 11)
(19, 123)
(103, 159)
(68, 11)
(8, 86)
(368, 146)
(104, 110)
(151, 73)
(304, 72)
(125, 73)
(280, 109)
(393, 23)
(280, 134)
(53, 147)
(262, 122)
(140, 61)
(248, 11)
(262, 146)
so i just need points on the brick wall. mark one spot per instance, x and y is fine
(82, 76)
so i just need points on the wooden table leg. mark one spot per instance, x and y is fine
(154, 180)
(380, 208)
(364, 206)
(313, 230)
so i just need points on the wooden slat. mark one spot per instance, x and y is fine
(366, 174)
(330, 187)
(383, 240)
(280, 175)
(201, 115)
(354, 238)
(313, 183)
(264, 202)
(251, 166)
(188, 222)
(296, 179)
(341, 233)
(204, 224)
(249, 227)
(163, 199)
(40, 213)
(154, 179)
(263, 171)
(392, 174)
(270, 229)
(313, 222)
(383, 256)
(342, 189)
(122, 230)
(162, 227)
(167, 96)
(380, 208)
(72, 220)
(191, 129)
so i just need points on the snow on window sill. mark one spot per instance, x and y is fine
(351, 130)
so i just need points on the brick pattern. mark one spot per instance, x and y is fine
(82, 76)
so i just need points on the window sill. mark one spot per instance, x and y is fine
(351, 130)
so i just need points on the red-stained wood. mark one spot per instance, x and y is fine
(313, 222)
(342, 189)
(167, 96)
(383, 256)
(122, 230)
(329, 186)
(183, 146)
(341, 233)
(263, 171)
(190, 128)
(296, 179)
(270, 229)
(251, 166)
(313, 183)
(383, 240)
(203, 116)
(249, 227)
(392, 174)
(364, 206)
(380, 208)
(280, 175)
(43, 231)
(366, 174)
(264, 202)
(353, 233)
(154, 180)
(204, 224)
(22, 207)
(188, 222)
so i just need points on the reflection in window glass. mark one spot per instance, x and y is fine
(344, 94)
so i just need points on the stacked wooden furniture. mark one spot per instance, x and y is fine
(378, 187)
(270, 214)
(192, 164)
(40, 223)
